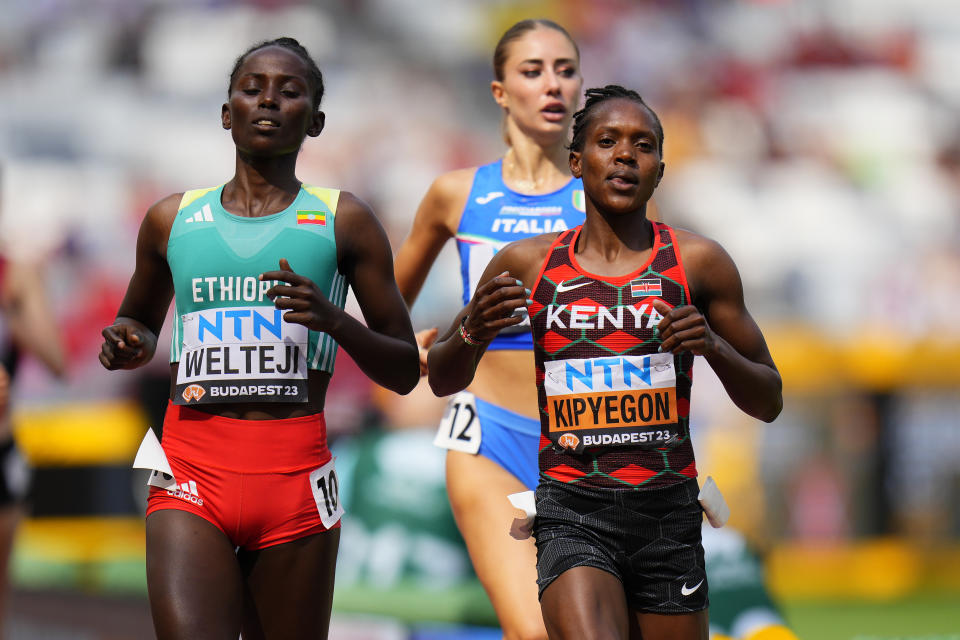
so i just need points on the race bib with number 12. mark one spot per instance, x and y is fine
(460, 427)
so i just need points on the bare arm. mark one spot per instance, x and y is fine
(29, 316)
(436, 222)
(4, 396)
(721, 329)
(384, 348)
(502, 290)
(131, 340)
(437, 219)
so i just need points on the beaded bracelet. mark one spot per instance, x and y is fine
(466, 337)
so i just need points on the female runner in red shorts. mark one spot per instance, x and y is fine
(244, 536)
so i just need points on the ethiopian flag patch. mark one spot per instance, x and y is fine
(311, 217)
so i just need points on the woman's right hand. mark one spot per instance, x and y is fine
(495, 306)
(126, 345)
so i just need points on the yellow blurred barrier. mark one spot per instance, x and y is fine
(776, 632)
(82, 539)
(811, 361)
(882, 569)
(80, 434)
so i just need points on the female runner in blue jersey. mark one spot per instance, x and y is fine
(244, 535)
(491, 432)
(619, 308)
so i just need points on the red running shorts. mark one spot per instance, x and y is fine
(249, 478)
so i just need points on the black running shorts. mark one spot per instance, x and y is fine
(648, 539)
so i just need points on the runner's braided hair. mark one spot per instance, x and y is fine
(595, 97)
(292, 45)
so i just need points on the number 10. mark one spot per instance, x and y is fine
(331, 491)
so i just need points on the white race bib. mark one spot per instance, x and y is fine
(460, 427)
(612, 401)
(151, 456)
(242, 354)
(525, 503)
(326, 493)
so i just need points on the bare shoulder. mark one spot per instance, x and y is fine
(445, 200)
(358, 230)
(699, 252)
(523, 258)
(165, 209)
(353, 210)
(159, 219)
(710, 269)
(454, 185)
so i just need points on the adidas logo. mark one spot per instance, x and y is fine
(203, 215)
(187, 491)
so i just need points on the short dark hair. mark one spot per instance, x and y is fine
(596, 97)
(517, 31)
(292, 45)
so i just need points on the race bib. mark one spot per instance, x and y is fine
(241, 354)
(326, 493)
(612, 401)
(460, 427)
(151, 456)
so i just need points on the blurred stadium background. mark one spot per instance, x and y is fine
(817, 140)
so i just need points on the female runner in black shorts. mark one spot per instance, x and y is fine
(619, 308)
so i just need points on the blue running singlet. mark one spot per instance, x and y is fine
(494, 216)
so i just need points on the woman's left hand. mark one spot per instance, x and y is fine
(683, 329)
(303, 301)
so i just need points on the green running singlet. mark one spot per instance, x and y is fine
(231, 343)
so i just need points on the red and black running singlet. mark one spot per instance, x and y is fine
(614, 411)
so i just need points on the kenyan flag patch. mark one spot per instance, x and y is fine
(646, 287)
